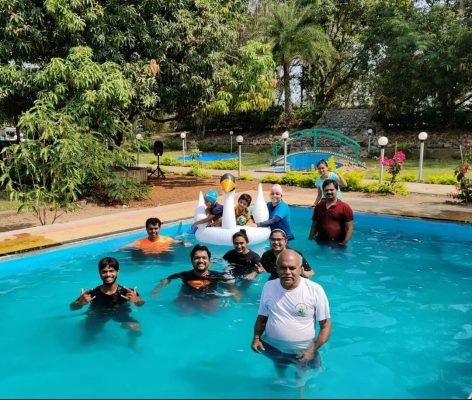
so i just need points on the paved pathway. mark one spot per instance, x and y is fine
(428, 201)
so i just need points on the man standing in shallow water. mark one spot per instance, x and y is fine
(333, 219)
(285, 326)
(109, 301)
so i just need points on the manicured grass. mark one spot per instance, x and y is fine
(255, 161)
(6, 204)
(430, 168)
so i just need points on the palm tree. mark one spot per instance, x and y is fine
(295, 37)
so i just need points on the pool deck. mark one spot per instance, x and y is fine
(426, 201)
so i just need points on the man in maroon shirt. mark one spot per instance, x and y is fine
(333, 220)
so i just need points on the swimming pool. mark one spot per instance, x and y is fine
(400, 298)
(206, 157)
(305, 161)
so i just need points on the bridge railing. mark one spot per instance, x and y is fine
(314, 136)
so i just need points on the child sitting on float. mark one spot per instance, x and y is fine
(241, 210)
(213, 211)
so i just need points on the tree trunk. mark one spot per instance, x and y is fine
(287, 91)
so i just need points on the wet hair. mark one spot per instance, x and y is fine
(242, 233)
(299, 257)
(247, 198)
(109, 262)
(329, 182)
(278, 230)
(153, 221)
(322, 162)
(199, 247)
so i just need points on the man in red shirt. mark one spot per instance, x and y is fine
(333, 219)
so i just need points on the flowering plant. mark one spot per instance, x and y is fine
(395, 164)
(465, 183)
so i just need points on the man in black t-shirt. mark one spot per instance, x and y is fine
(199, 285)
(108, 301)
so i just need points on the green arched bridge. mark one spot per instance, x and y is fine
(318, 140)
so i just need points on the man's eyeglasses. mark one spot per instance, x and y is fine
(272, 193)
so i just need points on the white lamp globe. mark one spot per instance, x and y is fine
(183, 135)
(423, 136)
(383, 141)
(239, 139)
(285, 135)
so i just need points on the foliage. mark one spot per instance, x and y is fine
(121, 189)
(196, 171)
(433, 42)
(248, 84)
(299, 179)
(246, 177)
(271, 179)
(395, 165)
(70, 134)
(354, 181)
(293, 31)
(194, 151)
(464, 185)
(222, 164)
(441, 179)
(408, 177)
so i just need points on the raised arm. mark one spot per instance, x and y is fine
(85, 298)
(341, 180)
(164, 282)
(318, 197)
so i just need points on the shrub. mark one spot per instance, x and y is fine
(246, 177)
(441, 179)
(222, 164)
(299, 179)
(354, 181)
(270, 179)
(121, 189)
(407, 177)
(196, 171)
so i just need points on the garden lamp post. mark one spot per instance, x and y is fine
(239, 140)
(138, 138)
(383, 141)
(231, 146)
(183, 135)
(369, 134)
(285, 137)
(422, 137)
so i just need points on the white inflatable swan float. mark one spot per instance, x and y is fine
(224, 235)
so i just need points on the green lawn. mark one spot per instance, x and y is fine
(6, 204)
(430, 168)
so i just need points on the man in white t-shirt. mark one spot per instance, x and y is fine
(289, 308)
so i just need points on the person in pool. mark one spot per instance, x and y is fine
(109, 301)
(333, 219)
(214, 210)
(243, 263)
(325, 173)
(278, 243)
(279, 213)
(241, 210)
(289, 307)
(155, 243)
(200, 284)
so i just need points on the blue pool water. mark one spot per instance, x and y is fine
(205, 157)
(401, 304)
(305, 161)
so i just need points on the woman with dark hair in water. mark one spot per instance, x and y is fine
(242, 262)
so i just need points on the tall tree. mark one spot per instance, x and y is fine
(295, 36)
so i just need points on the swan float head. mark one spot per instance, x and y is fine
(223, 235)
